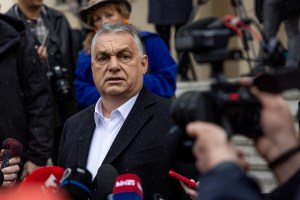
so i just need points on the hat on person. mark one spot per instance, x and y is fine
(92, 5)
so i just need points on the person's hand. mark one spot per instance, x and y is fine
(279, 133)
(211, 146)
(28, 168)
(10, 173)
(42, 52)
(191, 192)
(277, 123)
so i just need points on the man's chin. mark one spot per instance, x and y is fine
(115, 91)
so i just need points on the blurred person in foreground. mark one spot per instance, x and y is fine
(118, 129)
(160, 78)
(217, 160)
(26, 111)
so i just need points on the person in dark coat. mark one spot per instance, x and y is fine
(167, 13)
(128, 126)
(288, 11)
(52, 35)
(26, 110)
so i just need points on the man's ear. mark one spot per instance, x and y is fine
(145, 63)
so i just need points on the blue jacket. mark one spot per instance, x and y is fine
(160, 79)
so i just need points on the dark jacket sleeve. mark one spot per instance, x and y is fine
(288, 190)
(38, 104)
(227, 181)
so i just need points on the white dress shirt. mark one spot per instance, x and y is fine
(105, 132)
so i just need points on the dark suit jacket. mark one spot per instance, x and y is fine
(141, 146)
(227, 181)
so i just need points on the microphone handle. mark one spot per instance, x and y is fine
(7, 156)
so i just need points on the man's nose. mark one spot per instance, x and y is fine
(114, 64)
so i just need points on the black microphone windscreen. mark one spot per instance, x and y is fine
(77, 182)
(106, 178)
(13, 145)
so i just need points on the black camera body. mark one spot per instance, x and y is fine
(231, 106)
(58, 78)
(226, 103)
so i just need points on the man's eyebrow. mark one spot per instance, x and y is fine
(115, 52)
(120, 50)
(99, 52)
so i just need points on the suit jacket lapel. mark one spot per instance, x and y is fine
(86, 135)
(137, 117)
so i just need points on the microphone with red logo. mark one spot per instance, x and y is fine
(45, 179)
(128, 187)
(12, 148)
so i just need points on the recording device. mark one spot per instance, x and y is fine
(59, 82)
(46, 179)
(128, 187)
(12, 148)
(106, 178)
(227, 103)
(76, 182)
(183, 179)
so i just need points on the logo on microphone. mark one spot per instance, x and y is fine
(128, 182)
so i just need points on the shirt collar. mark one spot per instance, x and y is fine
(124, 109)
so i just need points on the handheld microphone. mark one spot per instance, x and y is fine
(77, 183)
(12, 148)
(128, 187)
(106, 178)
(46, 179)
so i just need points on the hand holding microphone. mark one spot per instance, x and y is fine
(12, 148)
(10, 153)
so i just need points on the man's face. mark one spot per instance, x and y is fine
(117, 65)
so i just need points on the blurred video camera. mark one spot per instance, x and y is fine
(59, 82)
(226, 103)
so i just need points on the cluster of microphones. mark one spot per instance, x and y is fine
(74, 183)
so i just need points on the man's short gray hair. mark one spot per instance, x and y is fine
(118, 28)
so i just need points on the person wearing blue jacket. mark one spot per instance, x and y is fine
(161, 77)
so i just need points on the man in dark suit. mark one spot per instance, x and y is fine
(128, 126)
